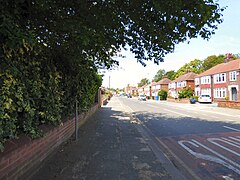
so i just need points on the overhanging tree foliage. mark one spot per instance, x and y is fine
(212, 61)
(193, 66)
(97, 29)
(159, 75)
(50, 50)
(143, 82)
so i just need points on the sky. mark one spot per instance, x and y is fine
(225, 40)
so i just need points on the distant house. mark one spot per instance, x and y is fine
(130, 90)
(221, 81)
(160, 85)
(147, 90)
(184, 81)
(142, 89)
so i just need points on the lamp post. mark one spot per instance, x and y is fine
(109, 81)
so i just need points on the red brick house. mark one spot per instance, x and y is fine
(142, 90)
(130, 90)
(184, 81)
(160, 85)
(221, 82)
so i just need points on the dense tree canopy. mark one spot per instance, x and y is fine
(97, 29)
(170, 75)
(50, 51)
(193, 66)
(160, 74)
(211, 61)
(143, 82)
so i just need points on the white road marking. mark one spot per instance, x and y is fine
(216, 153)
(215, 112)
(232, 140)
(182, 114)
(209, 157)
(152, 105)
(232, 128)
(235, 138)
(213, 141)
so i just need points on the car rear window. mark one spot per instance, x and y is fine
(205, 96)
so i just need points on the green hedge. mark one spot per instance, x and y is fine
(162, 94)
(32, 94)
(42, 73)
(185, 93)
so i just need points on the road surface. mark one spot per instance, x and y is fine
(200, 140)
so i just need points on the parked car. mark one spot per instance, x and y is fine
(205, 98)
(129, 95)
(142, 98)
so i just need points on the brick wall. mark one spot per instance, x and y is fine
(229, 104)
(184, 100)
(23, 155)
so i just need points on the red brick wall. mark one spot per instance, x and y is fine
(164, 87)
(184, 100)
(22, 155)
(229, 104)
(191, 84)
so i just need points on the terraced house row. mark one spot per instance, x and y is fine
(221, 82)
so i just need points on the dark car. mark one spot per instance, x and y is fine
(129, 95)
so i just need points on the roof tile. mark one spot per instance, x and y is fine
(223, 67)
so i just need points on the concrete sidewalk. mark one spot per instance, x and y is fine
(109, 147)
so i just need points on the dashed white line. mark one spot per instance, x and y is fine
(232, 128)
(182, 114)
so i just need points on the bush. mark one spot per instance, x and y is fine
(162, 94)
(195, 97)
(185, 93)
(33, 92)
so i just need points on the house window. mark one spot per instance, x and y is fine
(206, 91)
(220, 92)
(233, 76)
(196, 81)
(220, 78)
(184, 83)
(205, 80)
(178, 84)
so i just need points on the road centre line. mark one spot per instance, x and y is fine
(182, 114)
(232, 128)
(186, 106)
(218, 113)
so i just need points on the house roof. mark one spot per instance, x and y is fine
(142, 86)
(186, 77)
(163, 81)
(153, 83)
(223, 67)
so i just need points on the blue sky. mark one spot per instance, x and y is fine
(226, 40)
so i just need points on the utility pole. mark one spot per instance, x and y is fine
(76, 121)
(109, 81)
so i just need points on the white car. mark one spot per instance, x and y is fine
(142, 97)
(205, 98)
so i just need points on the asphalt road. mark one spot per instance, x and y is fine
(200, 140)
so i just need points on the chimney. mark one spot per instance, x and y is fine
(228, 57)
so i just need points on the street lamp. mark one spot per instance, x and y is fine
(109, 81)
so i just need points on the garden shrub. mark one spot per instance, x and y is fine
(185, 93)
(163, 94)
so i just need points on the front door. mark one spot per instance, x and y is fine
(234, 94)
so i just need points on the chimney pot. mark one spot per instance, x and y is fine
(228, 57)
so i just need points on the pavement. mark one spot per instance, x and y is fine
(110, 146)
